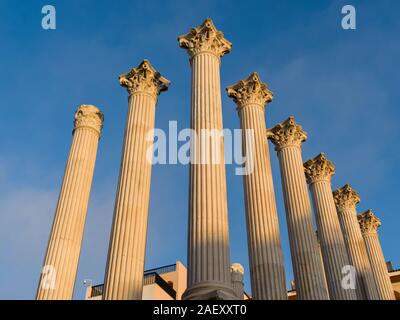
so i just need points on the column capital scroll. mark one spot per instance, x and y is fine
(369, 222)
(319, 169)
(144, 78)
(346, 197)
(250, 91)
(287, 134)
(205, 38)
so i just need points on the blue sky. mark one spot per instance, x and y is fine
(341, 86)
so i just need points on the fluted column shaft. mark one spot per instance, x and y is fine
(267, 272)
(319, 172)
(333, 248)
(379, 268)
(357, 253)
(355, 246)
(369, 224)
(62, 256)
(208, 240)
(125, 264)
(307, 267)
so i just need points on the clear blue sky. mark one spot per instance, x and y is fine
(342, 86)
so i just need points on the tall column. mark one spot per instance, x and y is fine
(237, 273)
(125, 263)
(267, 272)
(369, 224)
(307, 267)
(346, 200)
(208, 241)
(60, 265)
(319, 172)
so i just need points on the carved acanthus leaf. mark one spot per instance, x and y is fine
(369, 222)
(319, 168)
(250, 91)
(287, 133)
(205, 38)
(144, 78)
(346, 197)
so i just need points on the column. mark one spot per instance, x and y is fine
(369, 224)
(62, 256)
(307, 267)
(237, 273)
(319, 172)
(267, 272)
(346, 200)
(125, 263)
(208, 241)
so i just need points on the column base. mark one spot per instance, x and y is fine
(209, 291)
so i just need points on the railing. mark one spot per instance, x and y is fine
(97, 290)
(161, 270)
(154, 277)
(150, 277)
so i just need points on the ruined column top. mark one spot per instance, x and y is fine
(88, 116)
(369, 222)
(250, 91)
(144, 78)
(205, 38)
(319, 169)
(346, 197)
(287, 134)
(237, 267)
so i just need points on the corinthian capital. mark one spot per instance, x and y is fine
(250, 91)
(88, 116)
(287, 134)
(346, 197)
(318, 169)
(144, 78)
(369, 222)
(205, 38)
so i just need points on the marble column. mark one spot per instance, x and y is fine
(267, 272)
(208, 241)
(346, 200)
(61, 261)
(319, 172)
(369, 224)
(307, 267)
(237, 273)
(125, 263)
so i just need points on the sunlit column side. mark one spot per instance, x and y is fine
(346, 200)
(61, 261)
(208, 241)
(125, 263)
(267, 272)
(369, 224)
(319, 172)
(307, 267)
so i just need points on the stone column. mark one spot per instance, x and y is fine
(237, 273)
(61, 261)
(346, 200)
(369, 225)
(125, 263)
(267, 272)
(208, 241)
(319, 172)
(307, 267)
